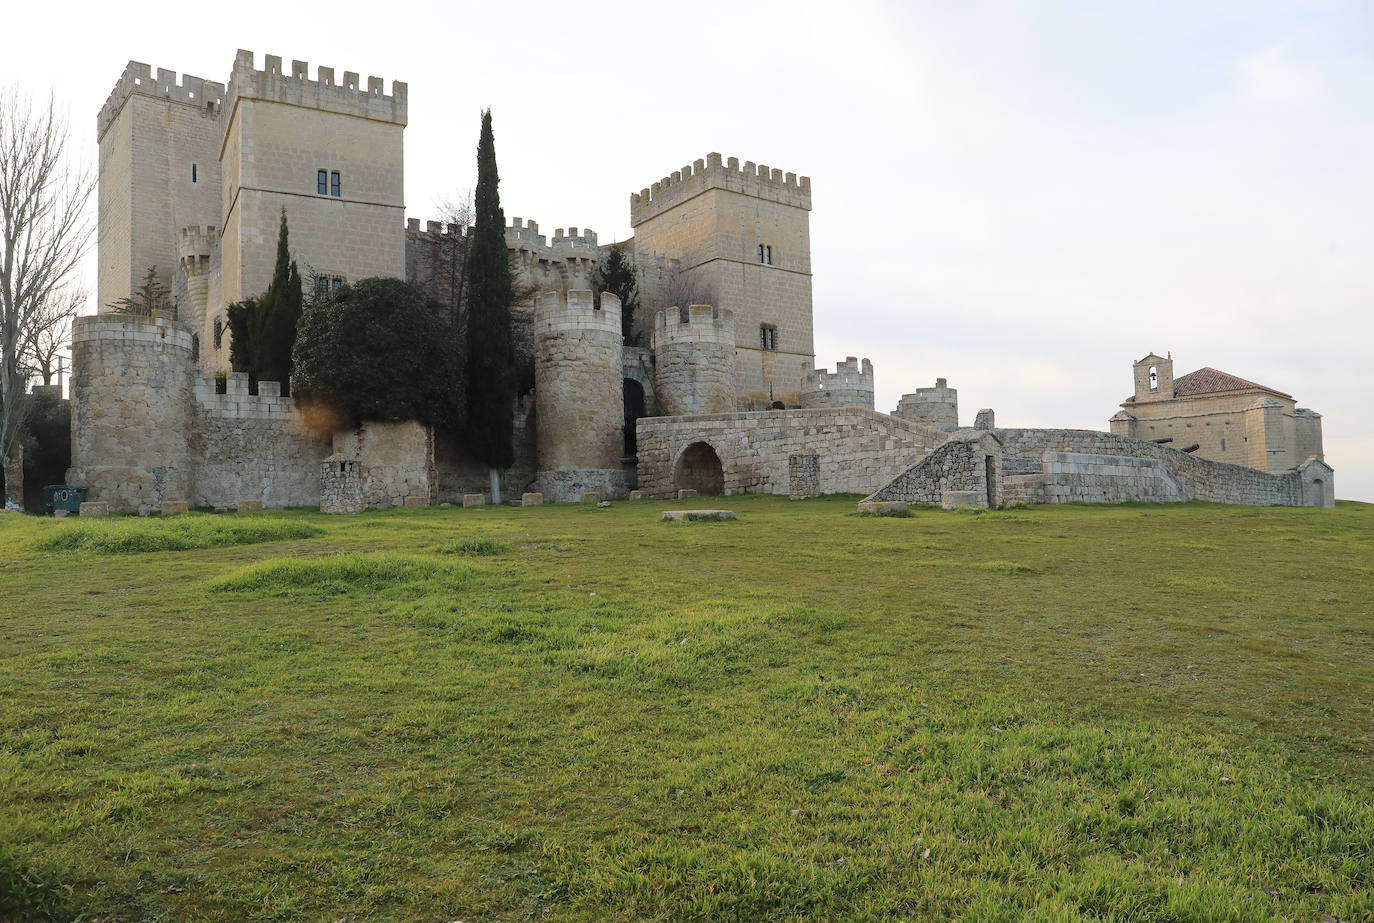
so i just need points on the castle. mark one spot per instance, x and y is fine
(723, 397)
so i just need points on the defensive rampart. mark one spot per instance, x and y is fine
(841, 450)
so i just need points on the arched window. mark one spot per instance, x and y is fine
(1154, 378)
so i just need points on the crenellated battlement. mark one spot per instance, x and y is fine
(848, 374)
(347, 96)
(435, 230)
(937, 406)
(577, 312)
(138, 80)
(752, 179)
(522, 236)
(701, 323)
(572, 246)
(237, 404)
(195, 246)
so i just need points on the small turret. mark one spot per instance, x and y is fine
(694, 360)
(937, 406)
(850, 385)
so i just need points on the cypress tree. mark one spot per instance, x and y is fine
(263, 328)
(491, 354)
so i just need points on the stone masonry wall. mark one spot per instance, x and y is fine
(253, 447)
(395, 461)
(694, 361)
(856, 450)
(961, 464)
(131, 393)
(1024, 453)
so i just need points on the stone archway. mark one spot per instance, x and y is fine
(698, 468)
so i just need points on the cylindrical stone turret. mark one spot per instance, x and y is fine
(937, 406)
(578, 394)
(850, 385)
(694, 361)
(132, 393)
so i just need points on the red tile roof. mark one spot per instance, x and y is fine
(1208, 380)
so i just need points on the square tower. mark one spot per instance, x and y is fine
(159, 173)
(327, 151)
(742, 239)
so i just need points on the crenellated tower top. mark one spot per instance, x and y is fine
(577, 313)
(700, 323)
(756, 180)
(348, 95)
(138, 80)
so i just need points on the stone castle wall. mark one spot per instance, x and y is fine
(253, 447)
(856, 450)
(969, 463)
(1024, 453)
(395, 461)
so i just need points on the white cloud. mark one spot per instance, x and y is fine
(1272, 76)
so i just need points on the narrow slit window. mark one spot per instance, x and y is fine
(334, 184)
(768, 255)
(219, 332)
(322, 182)
(193, 173)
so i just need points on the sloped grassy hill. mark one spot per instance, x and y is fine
(1143, 713)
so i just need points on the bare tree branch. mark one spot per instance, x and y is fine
(44, 233)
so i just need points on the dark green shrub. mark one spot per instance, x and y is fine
(374, 351)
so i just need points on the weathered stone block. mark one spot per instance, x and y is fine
(173, 507)
(638, 495)
(532, 499)
(686, 493)
(883, 507)
(474, 500)
(957, 499)
(590, 496)
(415, 502)
(95, 508)
(249, 506)
(698, 515)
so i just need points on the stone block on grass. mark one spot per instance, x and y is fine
(414, 503)
(174, 507)
(590, 496)
(698, 515)
(95, 508)
(474, 500)
(960, 499)
(686, 493)
(883, 507)
(249, 506)
(535, 498)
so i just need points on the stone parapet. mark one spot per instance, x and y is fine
(937, 406)
(346, 95)
(138, 80)
(850, 385)
(759, 181)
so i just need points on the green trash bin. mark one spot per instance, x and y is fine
(63, 497)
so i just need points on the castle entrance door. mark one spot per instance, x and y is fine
(698, 468)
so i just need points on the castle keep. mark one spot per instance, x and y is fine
(717, 391)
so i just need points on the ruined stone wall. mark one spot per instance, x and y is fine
(856, 450)
(961, 465)
(579, 397)
(253, 447)
(694, 361)
(131, 391)
(395, 461)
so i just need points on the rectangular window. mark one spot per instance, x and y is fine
(768, 337)
(768, 255)
(322, 182)
(1223, 445)
(321, 285)
(337, 282)
(760, 253)
(193, 173)
(334, 184)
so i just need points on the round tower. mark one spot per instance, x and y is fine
(132, 391)
(850, 385)
(937, 406)
(694, 360)
(578, 395)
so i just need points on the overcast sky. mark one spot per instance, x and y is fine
(1019, 197)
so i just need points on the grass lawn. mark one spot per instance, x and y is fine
(563, 712)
